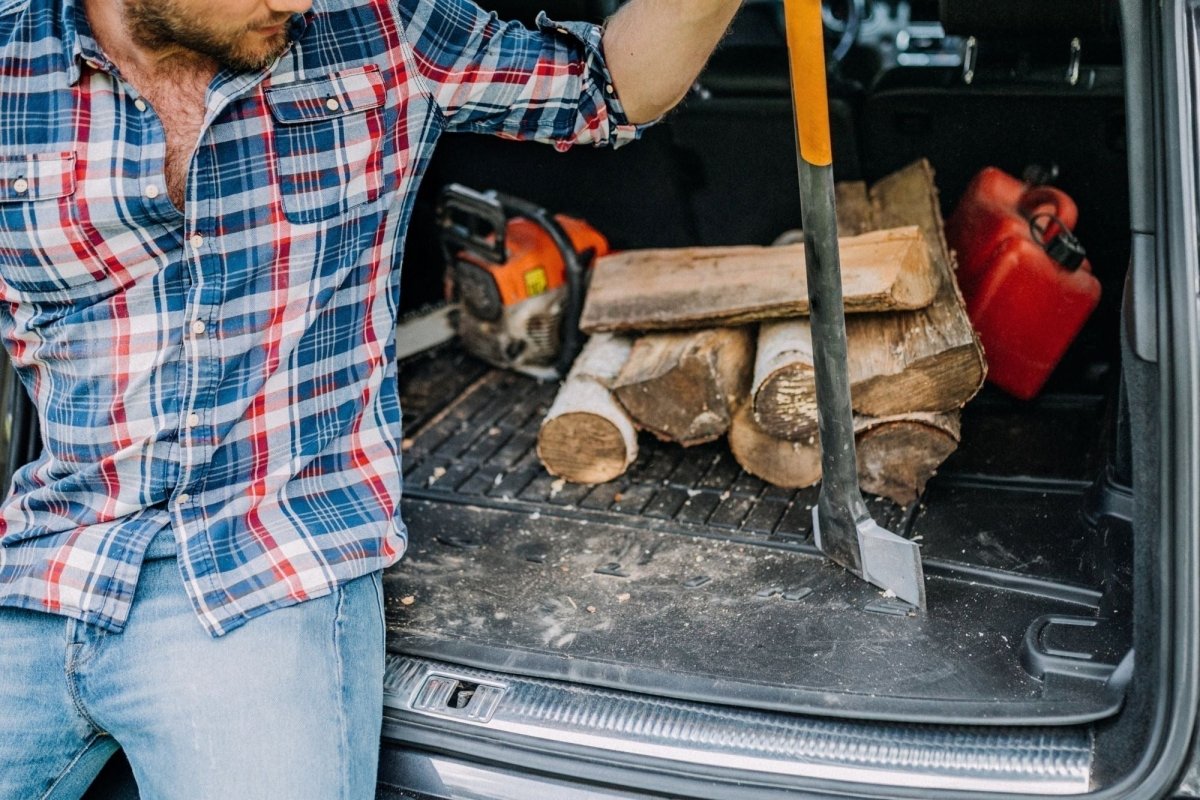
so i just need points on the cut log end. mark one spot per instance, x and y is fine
(785, 404)
(587, 437)
(897, 457)
(584, 448)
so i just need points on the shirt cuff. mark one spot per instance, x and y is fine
(589, 36)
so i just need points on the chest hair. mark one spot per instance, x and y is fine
(176, 94)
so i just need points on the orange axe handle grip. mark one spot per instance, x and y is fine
(806, 56)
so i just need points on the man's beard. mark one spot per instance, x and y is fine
(158, 23)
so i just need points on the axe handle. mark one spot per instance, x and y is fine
(806, 56)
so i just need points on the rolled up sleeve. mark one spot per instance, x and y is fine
(549, 84)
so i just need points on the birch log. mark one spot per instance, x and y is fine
(684, 387)
(587, 437)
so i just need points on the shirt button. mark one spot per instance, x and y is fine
(152, 191)
(193, 420)
(197, 241)
(198, 327)
(20, 186)
(332, 104)
(139, 104)
(609, 88)
(183, 498)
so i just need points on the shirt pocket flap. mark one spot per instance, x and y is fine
(38, 176)
(335, 95)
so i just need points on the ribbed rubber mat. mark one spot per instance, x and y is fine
(483, 445)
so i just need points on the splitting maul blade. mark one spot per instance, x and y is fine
(843, 526)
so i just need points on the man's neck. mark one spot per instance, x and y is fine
(112, 32)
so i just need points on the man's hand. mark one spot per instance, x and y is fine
(656, 48)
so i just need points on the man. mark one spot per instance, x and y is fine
(202, 211)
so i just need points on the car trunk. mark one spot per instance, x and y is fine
(688, 580)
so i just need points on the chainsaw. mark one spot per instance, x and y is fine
(519, 275)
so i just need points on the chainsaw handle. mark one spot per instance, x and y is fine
(472, 221)
(810, 101)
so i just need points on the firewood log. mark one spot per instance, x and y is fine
(897, 455)
(683, 387)
(587, 437)
(924, 360)
(703, 287)
(790, 464)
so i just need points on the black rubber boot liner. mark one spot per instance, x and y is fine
(690, 579)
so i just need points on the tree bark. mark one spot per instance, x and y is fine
(790, 464)
(898, 455)
(928, 360)
(941, 364)
(684, 387)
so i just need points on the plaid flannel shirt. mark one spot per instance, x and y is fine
(227, 372)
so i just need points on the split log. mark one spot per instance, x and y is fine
(928, 360)
(790, 464)
(939, 364)
(587, 437)
(898, 455)
(708, 287)
(684, 387)
(855, 212)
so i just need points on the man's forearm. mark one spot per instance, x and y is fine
(656, 48)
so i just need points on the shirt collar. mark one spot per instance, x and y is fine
(74, 27)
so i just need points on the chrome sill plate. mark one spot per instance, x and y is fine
(976, 759)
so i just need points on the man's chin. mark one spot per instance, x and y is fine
(254, 52)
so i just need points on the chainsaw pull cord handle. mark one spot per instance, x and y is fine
(571, 340)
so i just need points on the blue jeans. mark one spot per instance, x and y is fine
(288, 706)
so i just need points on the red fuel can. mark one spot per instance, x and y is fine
(1028, 287)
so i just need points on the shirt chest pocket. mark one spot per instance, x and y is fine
(328, 136)
(43, 250)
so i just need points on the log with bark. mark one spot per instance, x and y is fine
(684, 387)
(587, 437)
(790, 464)
(927, 360)
(897, 455)
(643, 290)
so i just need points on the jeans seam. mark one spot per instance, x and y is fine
(74, 760)
(72, 675)
(343, 725)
